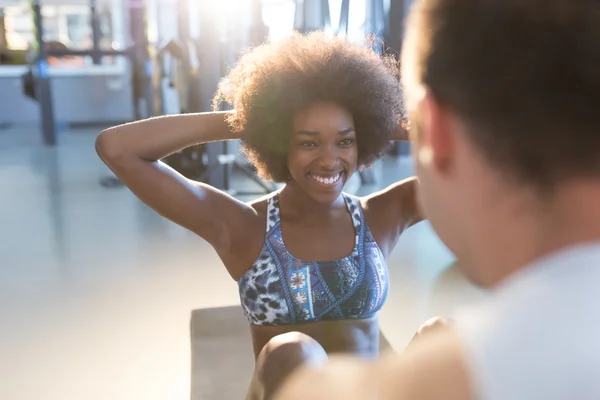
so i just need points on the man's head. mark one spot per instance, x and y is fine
(504, 102)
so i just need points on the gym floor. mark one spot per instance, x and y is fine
(96, 290)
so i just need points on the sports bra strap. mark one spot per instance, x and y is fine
(353, 205)
(272, 211)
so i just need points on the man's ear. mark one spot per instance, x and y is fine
(434, 131)
(402, 131)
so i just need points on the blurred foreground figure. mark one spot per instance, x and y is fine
(504, 104)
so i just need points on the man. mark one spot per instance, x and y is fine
(504, 102)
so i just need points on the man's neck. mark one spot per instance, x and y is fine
(544, 227)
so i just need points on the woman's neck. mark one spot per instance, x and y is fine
(296, 200)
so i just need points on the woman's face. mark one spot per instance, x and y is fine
(323, 153)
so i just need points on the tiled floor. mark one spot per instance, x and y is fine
(96, 290)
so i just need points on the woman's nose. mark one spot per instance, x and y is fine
(329, 158)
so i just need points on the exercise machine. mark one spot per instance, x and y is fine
(36, 82)
(197, 64)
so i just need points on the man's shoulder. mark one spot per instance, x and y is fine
(557, 283)
(537, 333)
(432, 369)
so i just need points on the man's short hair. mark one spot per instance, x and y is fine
(523, 74)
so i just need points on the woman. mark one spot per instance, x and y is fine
(310, 111)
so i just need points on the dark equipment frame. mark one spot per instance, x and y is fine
(138, 54)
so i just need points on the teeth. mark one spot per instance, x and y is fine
(327, 180)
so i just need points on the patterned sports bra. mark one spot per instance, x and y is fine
(280, 289)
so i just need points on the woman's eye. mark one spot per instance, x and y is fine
(347, 142)
(307, 144)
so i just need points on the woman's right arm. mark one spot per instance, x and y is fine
(133, 152)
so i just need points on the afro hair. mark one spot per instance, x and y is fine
(272, 82)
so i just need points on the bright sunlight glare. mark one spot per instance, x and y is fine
(278, 15)
(224, 11)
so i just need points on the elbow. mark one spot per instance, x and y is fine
(107, 146)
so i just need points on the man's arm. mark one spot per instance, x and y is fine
(430, 369)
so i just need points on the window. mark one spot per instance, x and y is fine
(65, 27)
(356, 18)
(78, 31)
(278, 16)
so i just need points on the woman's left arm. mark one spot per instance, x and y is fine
(402, 195)
(397, 203)
(395, 208)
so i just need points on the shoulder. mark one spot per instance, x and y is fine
(391, 211)
(249, 238)
(433, 369)
(396, 196)
(261, 204)
(534, 336)
(267, 209)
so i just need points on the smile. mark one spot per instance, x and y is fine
(327, 179)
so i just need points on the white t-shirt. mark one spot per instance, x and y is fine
(538, 335)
